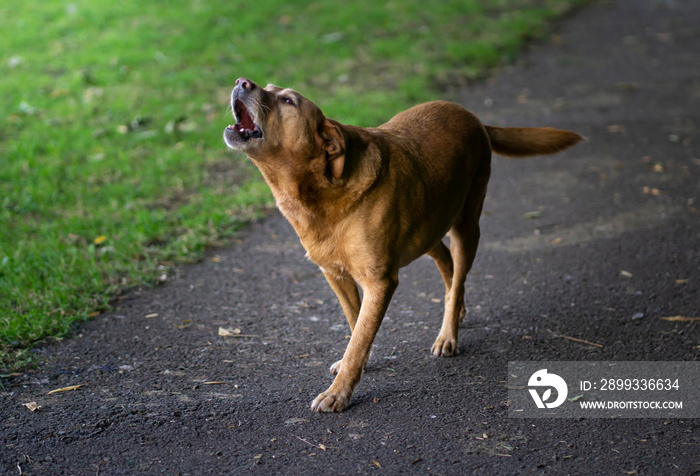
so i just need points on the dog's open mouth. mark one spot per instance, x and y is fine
(245, 127)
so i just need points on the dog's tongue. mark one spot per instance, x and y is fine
(244, 119)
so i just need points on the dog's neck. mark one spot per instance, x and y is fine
(305, 193)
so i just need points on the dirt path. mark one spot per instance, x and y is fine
(165, 393)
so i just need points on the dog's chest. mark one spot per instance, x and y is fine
(323, 247)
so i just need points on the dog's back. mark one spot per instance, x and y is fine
(444, 125)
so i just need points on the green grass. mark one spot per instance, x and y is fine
(112, 166)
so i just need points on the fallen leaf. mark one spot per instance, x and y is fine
(217, 382)
(33, 406)
(150, 316)
(228, 331)
(67, 389)
(681, 281)
(100, 239)
(651, 191)
(377, 463)
(626, 274)
(681, 319)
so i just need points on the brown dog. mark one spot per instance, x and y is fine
(366, 202)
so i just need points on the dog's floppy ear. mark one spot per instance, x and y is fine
(330, 140)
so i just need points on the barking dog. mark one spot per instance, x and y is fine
(367, 201)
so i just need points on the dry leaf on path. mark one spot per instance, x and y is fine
(33, 406)
(229, 331)
(681, 319)
(616, 128)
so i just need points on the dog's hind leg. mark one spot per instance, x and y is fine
(443, 260)
(446, 343)
(464, 240)
(348, 295)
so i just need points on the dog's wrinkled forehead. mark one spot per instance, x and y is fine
(271, 88)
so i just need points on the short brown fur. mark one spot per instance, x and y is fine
(367, 201)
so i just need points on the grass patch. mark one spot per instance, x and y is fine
(112, 166)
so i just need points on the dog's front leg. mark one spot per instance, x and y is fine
(346, 290)
(377, 294)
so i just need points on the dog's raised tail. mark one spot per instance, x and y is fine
(529, 141)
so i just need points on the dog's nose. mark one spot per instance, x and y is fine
(245, 83)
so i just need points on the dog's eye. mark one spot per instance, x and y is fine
(288, 100)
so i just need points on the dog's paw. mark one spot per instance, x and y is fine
(335, 368)
(444, 347)
(330, 402)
